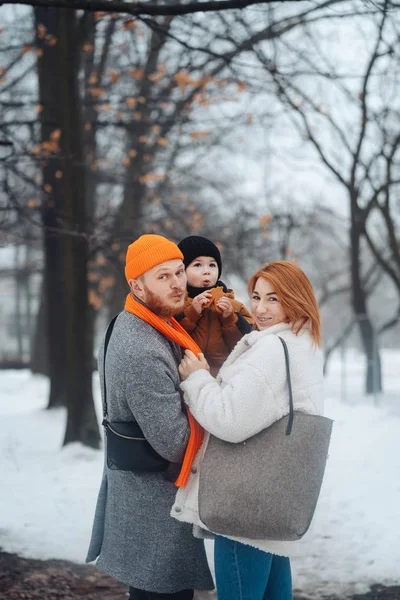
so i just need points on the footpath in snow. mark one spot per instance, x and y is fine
(49, 493)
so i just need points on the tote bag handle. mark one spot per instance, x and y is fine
(289, 381)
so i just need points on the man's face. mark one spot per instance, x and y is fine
(163, 288)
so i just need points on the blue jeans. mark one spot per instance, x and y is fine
(246, 573)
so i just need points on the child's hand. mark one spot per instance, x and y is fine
(200, 301)
(190, 363)
(225, 307)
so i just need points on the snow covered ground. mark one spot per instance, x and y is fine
(48, 493)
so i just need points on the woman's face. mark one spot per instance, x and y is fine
(265, 305)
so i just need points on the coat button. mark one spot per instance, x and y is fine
(177, 509)
(193, 470)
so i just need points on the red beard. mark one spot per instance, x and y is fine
(160, 306)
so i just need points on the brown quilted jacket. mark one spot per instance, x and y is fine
(216, 336)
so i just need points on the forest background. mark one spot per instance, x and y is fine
(272, 129)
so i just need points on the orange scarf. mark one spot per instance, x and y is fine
(176, 333)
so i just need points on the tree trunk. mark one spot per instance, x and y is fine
(368, 335)
(18, 307)
(81, 422)
(39, 362)
(28, 299)
(53, 307)
(69, 322)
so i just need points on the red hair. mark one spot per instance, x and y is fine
(296, 294)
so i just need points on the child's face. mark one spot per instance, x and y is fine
(202, 272)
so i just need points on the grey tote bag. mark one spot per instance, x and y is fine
(267, 487)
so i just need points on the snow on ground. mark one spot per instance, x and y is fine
(49, 492)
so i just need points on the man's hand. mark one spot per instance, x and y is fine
(200, 301)
(225, 307)
(190, 363)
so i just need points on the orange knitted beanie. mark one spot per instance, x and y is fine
(148, 251)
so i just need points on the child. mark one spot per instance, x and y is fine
(212, 316)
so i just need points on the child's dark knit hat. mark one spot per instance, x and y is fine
(196, 245)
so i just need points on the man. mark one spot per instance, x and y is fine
(134, 537)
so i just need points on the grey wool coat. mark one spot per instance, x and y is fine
(134, 538)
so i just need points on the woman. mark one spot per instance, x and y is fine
(248, 395)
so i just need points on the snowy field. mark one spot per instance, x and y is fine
(48, 493)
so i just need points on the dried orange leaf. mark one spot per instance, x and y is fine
(129, 24)
(265, 220)
(41, 31)
(195, 135)
(136, 73)
(151, 177)
(156, 76)
(131, 102)
(96, 92)
(55, 135)
(94, 300)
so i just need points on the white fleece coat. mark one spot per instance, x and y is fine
(248, 395)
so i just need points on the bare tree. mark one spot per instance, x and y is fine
(352, 144)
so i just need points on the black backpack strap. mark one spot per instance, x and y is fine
(289, 381)
(106, 342)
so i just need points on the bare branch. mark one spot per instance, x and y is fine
(364, 106)
(390, 323)
(139, 8)
(380, 259)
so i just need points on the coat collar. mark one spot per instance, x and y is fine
(251, 338)
(255, 336)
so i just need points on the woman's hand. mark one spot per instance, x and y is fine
(225, 307)
(190, 363)
(200, 301)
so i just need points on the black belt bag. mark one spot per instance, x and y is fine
(127, 447)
